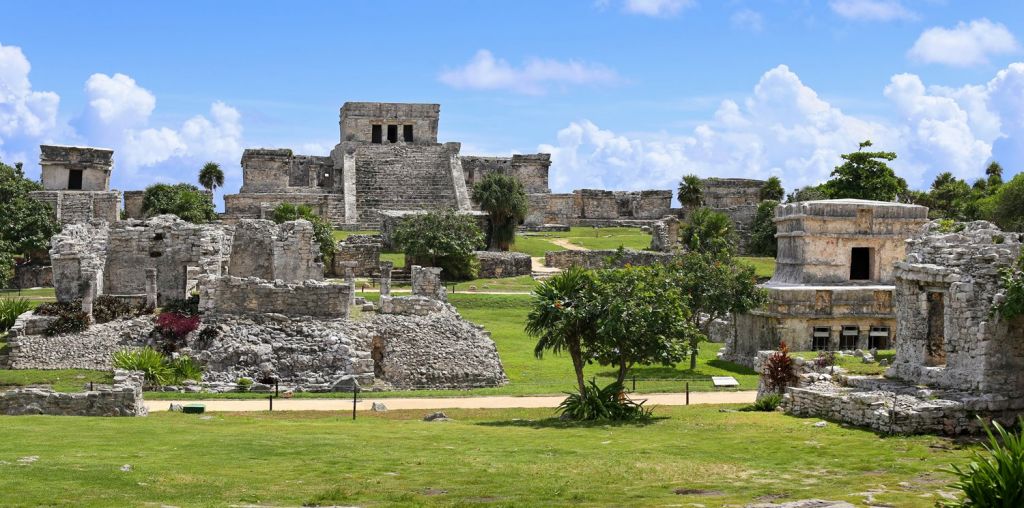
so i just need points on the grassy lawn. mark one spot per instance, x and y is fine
(608, 238)
(64, 380)
(34, 296)
(534, 245)
(521, 283)
(340, 235)
(497, 457)
(855, 365)
(764, 267)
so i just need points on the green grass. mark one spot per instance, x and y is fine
(855, 365)
(63, 380)
(397, 258)
(534, 245)
(521, 283)
(764, 267)
(34, 296)
(609, 238)
(340, 235)
(519, 457)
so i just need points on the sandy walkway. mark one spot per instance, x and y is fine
(366, 400)
(566, 244)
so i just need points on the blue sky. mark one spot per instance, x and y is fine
(625, 94)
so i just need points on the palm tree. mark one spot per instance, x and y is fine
(503, 198)
(994, 172)
(708, 231)
(772, 190)
(561, 319)
(690, 194)
(211, 176)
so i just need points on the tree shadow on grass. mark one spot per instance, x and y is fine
(558, 423)
(731, 367)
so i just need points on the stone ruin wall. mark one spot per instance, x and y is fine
(363, 250)
(495, 265)
(593, 207)
(122, 398)
(81, 207)
(593, 259)
(269, 251)
(280, 170)
(737, 198)
(251, 295)
(531, 170)
(261, 205)
(58, 161)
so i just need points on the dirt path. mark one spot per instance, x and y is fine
(566, 244)
(366, 400)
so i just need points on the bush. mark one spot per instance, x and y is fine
(172, 328)
(825, 359)
(185, 368)
(322, 230)
(762, 232)
(1012, 281)
(767, 403)
(608, 403)
(187, 307)
(70, 318)
(244, 384)
(779, 371)
(446, 239)
(996, 476)
(107, 308)
(10, 309)
(159, 369)
(184, 200)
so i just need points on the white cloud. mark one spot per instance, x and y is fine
(872, 10)
(118, 100)
(659, 8)
(534, 77)
(747, 19)
(965, 45)
(785, 128)
(27, 116)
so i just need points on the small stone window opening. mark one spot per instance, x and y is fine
(819, 339)
(392, 134)
(75, 179)
(935, 347)
(848, 340)
(878, 337)
(375, 134)
(407, 133)
(157, 237)
(860, 263)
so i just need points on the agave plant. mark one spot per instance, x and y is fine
(606, 403)
(148, 360)
(10, 309)
(995, 478)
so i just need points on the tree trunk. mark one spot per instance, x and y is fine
(577, 365)
(623, 370)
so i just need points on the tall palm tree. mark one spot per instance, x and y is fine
(211, 176)
(690, 194)
(503, 198)
(994, 172)
(561, 319)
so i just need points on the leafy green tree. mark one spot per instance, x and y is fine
(6, 263)
(772, 190)
(211, 176)
(949, 197)
(1006, 207)
(691, 193)
(503, 198)
(642, 318)
(763, 230)
(708, 231)
(865, 175)
(717, 285)
(561, 319)
(807, 193)
(441, 238)
(322, 230)
(26, 224)
(994, 174)
(184, 200)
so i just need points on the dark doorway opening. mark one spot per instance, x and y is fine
(377, 355)
(879, 337)
(819, 340)
(860, 263)
(848, 340)
(935, 349)
(407, 133)
(392, 134)
(375, 134)
(75, 179)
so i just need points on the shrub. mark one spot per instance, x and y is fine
(57, 308)
(108, 308)
(148, 360)
(187, 307)
(172, 328)
(825, 359)
(767, 403)
(995, 478)
(185, 368)
(608, 403)
(10, 309)
(1012, 281)
(778, 370)
(445, 238)
(184, 200)
(244, 384)
(70, 318)
(206, 337)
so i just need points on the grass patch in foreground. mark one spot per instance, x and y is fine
(505, 457)
(62, 380)
(853, 364)
(534, 245)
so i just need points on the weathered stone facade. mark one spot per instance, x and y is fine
(123, 398)
(593, 207)
(737, 198)
(32, 276)
(288, 252)
(76, 183)
(495, 265)
(363, 250)
(251, 295)
(833, 281)
(79, 207)
(598, 258)
(531, 170)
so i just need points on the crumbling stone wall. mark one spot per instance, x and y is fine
(123, 398)
(287, 251)
(597, 258)
(595, 207)
(251, 295)
(58, 162)
(32, 276)
(665, 234)
(330, 207)
(426, 281)
(79, 207)
(405, 177)
(737, 198)
(363, 250)
(494, 265)
(531, 170)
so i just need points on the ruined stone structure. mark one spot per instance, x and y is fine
(252, 295)
(123, 398)
(363, 250)
(389, 159)
(593, 259)
(834, 278)
(288, 252)
(495, 265)
(76, 183)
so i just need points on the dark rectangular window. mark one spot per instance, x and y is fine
(860, 263)
(407, 133)
(375, 134)
(392, 134)
(75, 179)
(819, 340)
(848, 340)
(879, 338)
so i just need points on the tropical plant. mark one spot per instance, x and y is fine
(690, 192)
(1007, 206)
(184, 306)
(176, 325)
(503, 198)
(10, 309)
(767, 403)
(763, 230)
(27, 224)
(772, 190)
(322, 230)
(185, 368)
(211, 176)
(443, 238)
(807, 193)
(779, 370)
(865, 175)
(708, 231)
(184, 200)
(608, 403)
(6, 263)
(70, 318)
(560, 318)
(826, 358)
(994, 174)
(1012, 281)
(148, 360)
(244, 384)
(995, 478)
(107, 308)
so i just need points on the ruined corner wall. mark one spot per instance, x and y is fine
(287, 251)
(531, 170)
(251, 295)
(595, 207)
(597, 258)
(123, 398)
(79, 207)
(363, 250)
(495, 265)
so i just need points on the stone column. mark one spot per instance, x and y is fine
(151, 287)
(350, 278)
(385, 278)
(88, 293)
(426, 281)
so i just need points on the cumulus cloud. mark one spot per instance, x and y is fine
(965, 45)
(658, 8)
(872, 10)
(785, 128)
(747, 19)
(26, 116)
(534, 77)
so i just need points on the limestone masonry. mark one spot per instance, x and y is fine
(76, 183)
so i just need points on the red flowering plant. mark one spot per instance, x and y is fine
(173, 327)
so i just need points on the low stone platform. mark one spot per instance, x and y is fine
(123, 398)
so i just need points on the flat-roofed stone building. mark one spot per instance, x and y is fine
(76, 183)
(834, 278)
